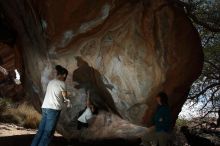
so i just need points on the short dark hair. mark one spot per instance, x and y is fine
(163, 98)
(61, 70)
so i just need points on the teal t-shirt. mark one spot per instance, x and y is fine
(162, 119)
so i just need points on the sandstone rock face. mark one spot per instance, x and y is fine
(130, 51)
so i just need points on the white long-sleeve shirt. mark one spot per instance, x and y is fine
(87, 114)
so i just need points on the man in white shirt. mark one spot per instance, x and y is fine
(56, 95)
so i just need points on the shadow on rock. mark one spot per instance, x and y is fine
(90, 79)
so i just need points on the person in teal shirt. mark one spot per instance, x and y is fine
(160, 131)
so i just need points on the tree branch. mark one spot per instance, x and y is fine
(210, 99)
(204, 90)
(212, 64)
(195, 19)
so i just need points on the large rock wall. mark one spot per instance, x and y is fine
(130, 51)
(10, 59)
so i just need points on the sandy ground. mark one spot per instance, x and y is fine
(13, 135)
(12, 129)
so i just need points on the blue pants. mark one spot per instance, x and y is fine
(46, 128)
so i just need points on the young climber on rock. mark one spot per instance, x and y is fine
(86, 114)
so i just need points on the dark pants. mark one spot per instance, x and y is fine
(161, 138)
(82, 125)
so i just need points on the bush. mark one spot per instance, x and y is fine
(23, 115)
(4, 104)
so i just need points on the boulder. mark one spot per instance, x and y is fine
(129, 50)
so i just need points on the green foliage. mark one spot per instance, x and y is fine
(181, 122)
(205, 14)
(206, 89)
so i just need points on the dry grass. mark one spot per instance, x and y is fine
(24, 115)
